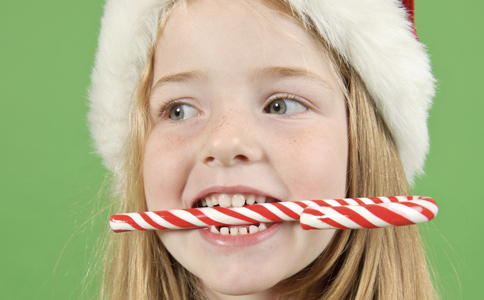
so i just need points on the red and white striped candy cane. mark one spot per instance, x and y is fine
(414, 211)
(279, 212)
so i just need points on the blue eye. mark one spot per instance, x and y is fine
(180, 112)
(283, 106)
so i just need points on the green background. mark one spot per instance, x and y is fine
(49, 178)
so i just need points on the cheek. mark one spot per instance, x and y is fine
(166, 163)
(314, 162)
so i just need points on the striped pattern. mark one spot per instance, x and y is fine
(393, 211)
(314, 214)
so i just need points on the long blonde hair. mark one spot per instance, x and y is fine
(358, 264)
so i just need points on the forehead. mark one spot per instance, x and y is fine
(237, 16)
(234, 36)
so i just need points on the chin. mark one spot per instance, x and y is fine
(241, 286)
(248, 279)
(227, 266)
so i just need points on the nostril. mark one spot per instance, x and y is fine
(209, 159)
(241, 157)
(226, 162)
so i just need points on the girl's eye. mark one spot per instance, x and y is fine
(180, 112)
(285, 107)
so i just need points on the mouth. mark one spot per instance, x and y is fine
(235, 200)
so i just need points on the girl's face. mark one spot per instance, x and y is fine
(243, 104)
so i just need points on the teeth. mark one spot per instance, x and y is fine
(214, 200)
(224, 200)
(250, 200)
(232, 200)
(260, 199)
(214, 229)
(238, 231)
(238, 200)
(253, 229)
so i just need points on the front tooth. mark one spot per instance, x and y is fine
(214, 229)
(253, 229)
(250, 200)
(234, 231)
(224, 231)
(243, 230)
(260, 199)
(209, 202)
(224, 200)
(238, 200)
(214, 200)
(204, 203)
(262, 226)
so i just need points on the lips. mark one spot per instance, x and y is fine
(224, 196)
(232, 200)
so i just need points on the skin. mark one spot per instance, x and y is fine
(226, 62)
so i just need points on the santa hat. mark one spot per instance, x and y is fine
(376, 37)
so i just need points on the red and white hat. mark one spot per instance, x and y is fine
(376, 37)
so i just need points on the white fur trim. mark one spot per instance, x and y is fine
(128, 29)
(373, 35)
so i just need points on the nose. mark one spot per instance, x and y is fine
(231, 139)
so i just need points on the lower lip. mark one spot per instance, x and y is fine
(239, 241)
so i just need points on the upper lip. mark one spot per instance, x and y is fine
(238, 189)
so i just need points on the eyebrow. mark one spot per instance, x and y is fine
(273, 72)
(277, 72)
(177, 78)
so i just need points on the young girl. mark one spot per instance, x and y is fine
(208, 102)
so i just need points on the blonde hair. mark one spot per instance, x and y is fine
(358, 264)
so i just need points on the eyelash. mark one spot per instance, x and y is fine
(171, 102)
(285, 96)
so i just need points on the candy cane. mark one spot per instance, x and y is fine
(340, 213)
(381, 215)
